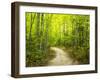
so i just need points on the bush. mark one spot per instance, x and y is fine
(81, 54)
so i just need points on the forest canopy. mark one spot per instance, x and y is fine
(70, 32)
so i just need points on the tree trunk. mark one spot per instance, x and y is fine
(31, 22)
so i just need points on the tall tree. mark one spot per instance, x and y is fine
(32, 18)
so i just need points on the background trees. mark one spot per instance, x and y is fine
(60, 30)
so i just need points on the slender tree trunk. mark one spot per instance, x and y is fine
(31, 22)
(26, 24)
(49, 25)
(42, 25)
(46, 35)
(64, 31)
(38, 30)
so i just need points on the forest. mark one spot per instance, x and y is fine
(68, 32)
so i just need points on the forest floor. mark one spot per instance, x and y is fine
(62, 57)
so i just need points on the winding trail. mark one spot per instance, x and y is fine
(61, 57)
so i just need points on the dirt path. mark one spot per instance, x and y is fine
(61, 58)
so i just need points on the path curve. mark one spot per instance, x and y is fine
(61, 57)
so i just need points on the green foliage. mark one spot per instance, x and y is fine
(81, 54)
(63, 30)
